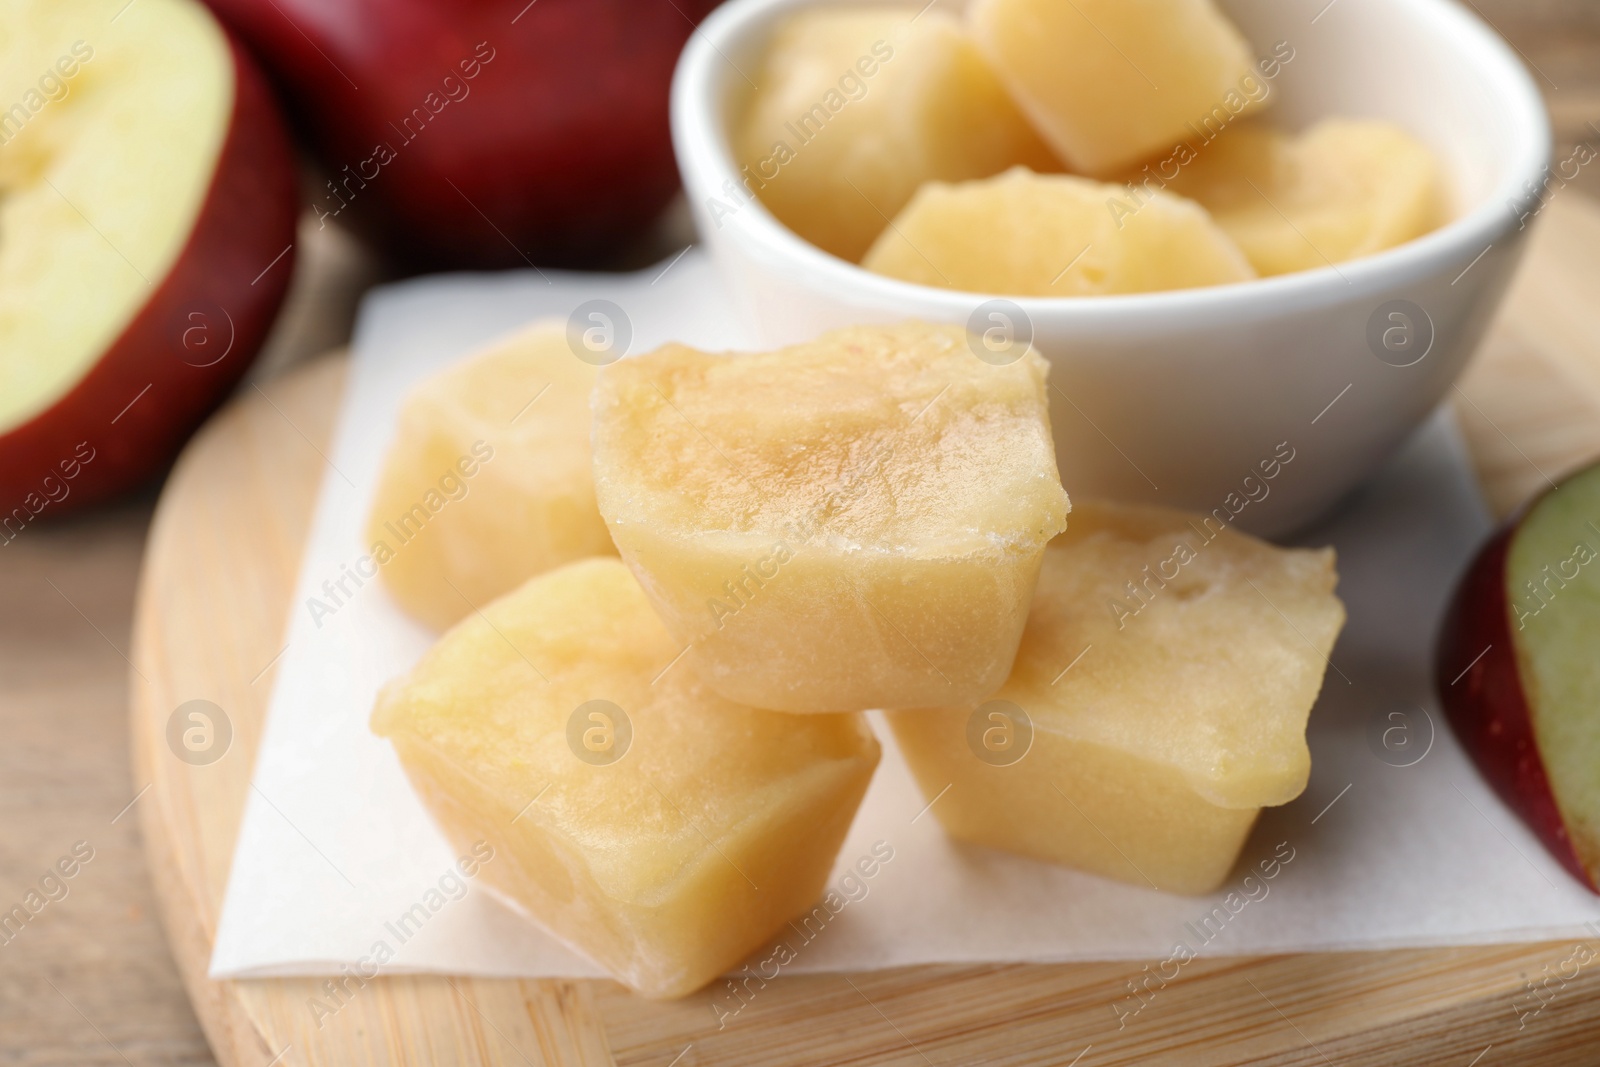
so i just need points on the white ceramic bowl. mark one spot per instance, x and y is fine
(1185, 398)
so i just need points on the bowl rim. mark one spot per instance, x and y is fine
(706, 158)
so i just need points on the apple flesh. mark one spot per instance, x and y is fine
(486, 134)
(147, 214)
(1518, 669)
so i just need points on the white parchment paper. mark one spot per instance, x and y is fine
(335, 850)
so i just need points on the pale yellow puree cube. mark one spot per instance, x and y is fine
(654, 826)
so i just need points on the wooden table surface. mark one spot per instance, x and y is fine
(90, 980)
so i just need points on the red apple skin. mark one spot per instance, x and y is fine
(557, 150)
(247, 220)
(1486, 703)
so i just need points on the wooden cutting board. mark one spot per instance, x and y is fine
(218, 574)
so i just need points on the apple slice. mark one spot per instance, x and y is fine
(147, 212)
(1518, 669)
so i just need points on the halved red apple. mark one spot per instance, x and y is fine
(481, 133)
(147, 213)
(1518, 669)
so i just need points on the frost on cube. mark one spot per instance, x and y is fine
(850, 523)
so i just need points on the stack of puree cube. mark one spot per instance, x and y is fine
(665, 751)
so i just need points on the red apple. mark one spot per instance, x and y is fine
(1518, 669)
(147, 214)
(489, 133)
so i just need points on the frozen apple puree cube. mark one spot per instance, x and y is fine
(1342, 189)
(1111, 82)
(1166, 675)
(488, 481)
(860, 105)
(850, 523)
(641, 818)
(1026, 234)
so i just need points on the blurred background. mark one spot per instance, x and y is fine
(92, 982)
